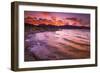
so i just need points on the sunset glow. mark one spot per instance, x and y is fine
(57, 18)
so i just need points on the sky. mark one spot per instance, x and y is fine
(59, 15)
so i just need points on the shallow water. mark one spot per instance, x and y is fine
(57, 45)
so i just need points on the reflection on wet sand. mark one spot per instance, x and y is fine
(57, 45)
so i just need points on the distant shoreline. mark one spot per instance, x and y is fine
(57, 27)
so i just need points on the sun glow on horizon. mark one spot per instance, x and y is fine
(56, 19)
